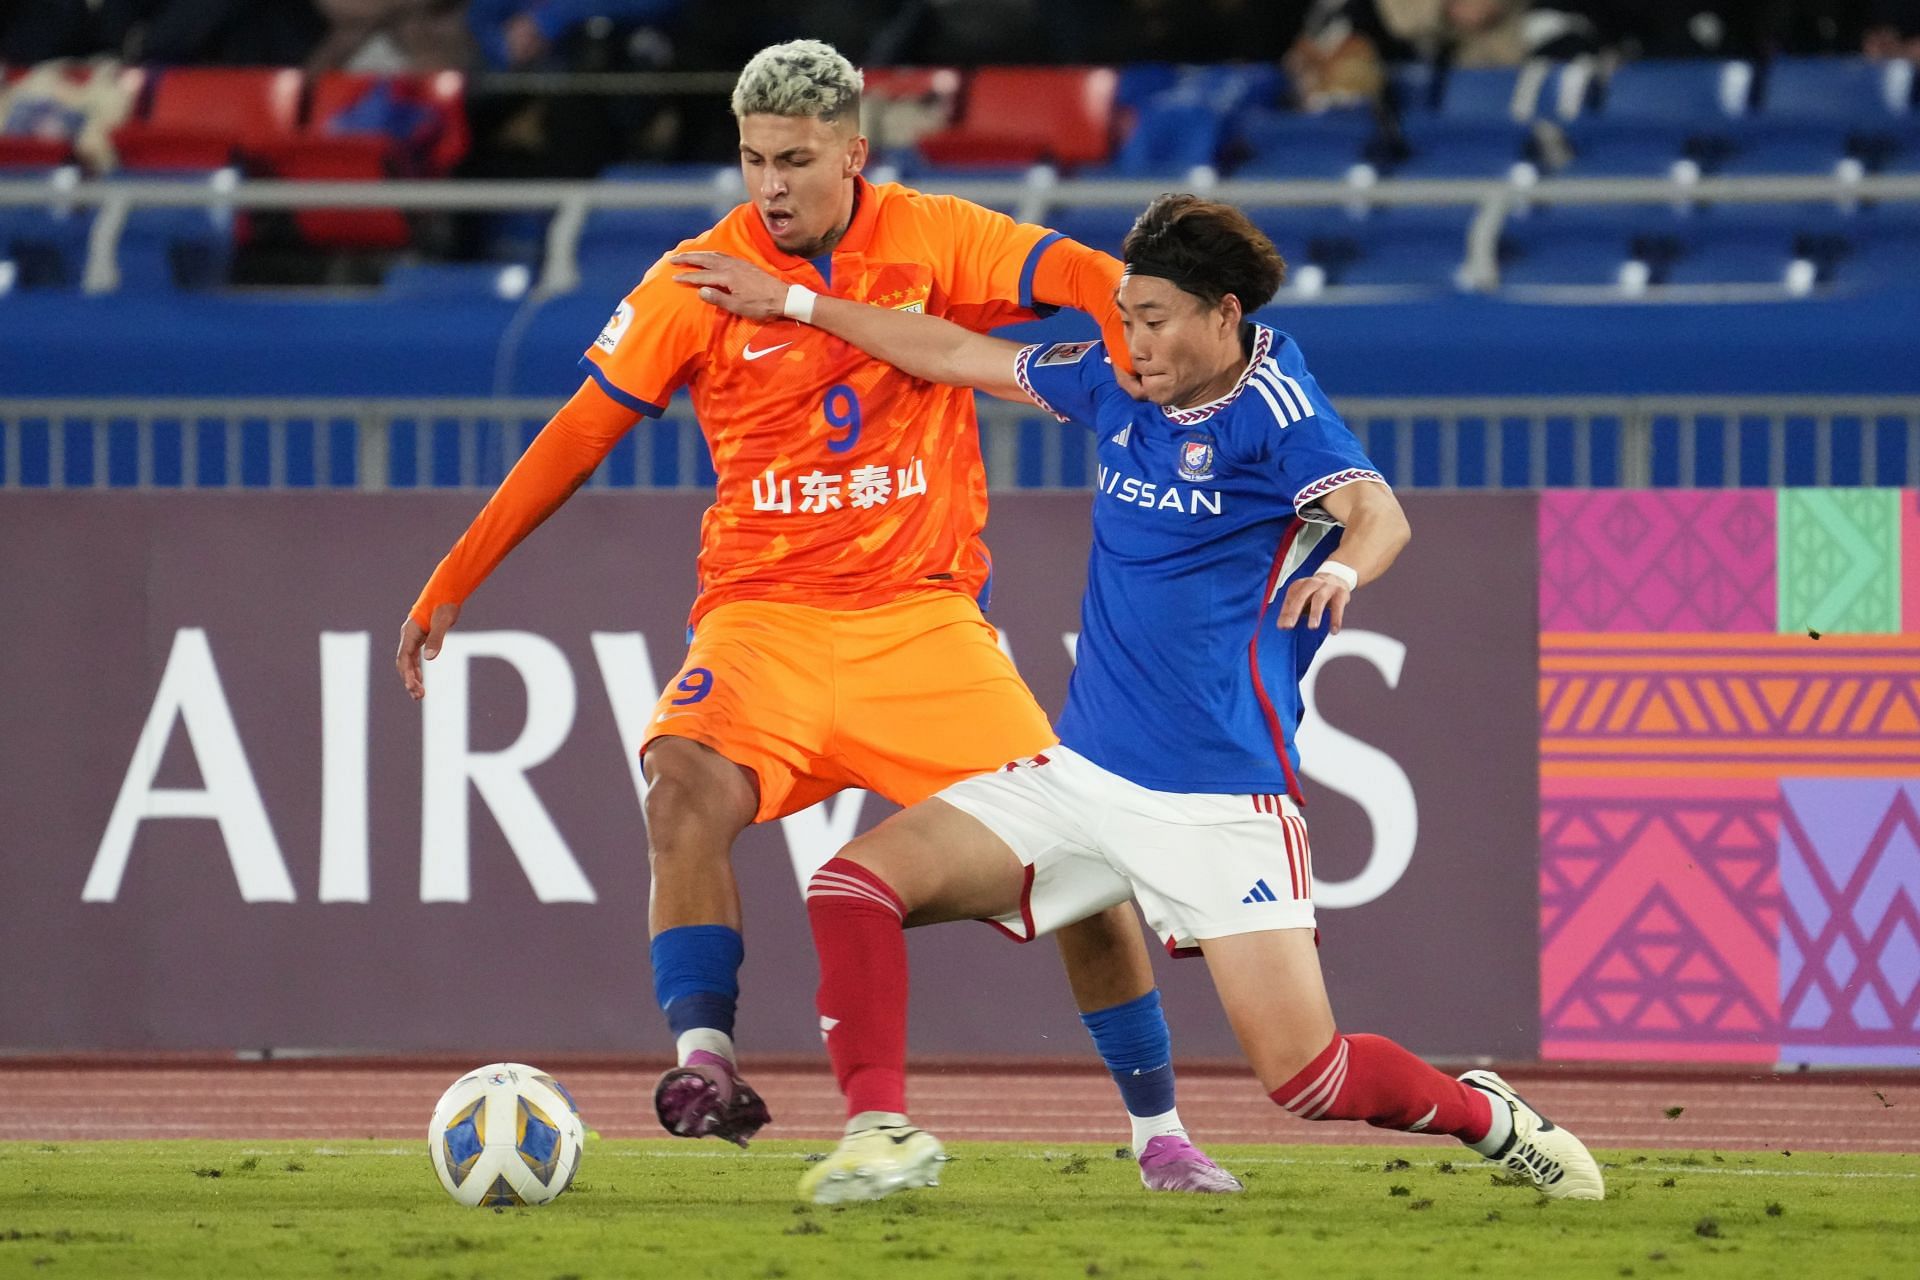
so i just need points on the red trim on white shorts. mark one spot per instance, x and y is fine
(1274, 729)
(1026, 908)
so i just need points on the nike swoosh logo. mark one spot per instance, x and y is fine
(751, 354)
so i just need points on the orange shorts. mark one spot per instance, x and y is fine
(902, 699)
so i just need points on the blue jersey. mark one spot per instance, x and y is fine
(1201, 519)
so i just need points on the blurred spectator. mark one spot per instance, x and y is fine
(77, 103)
(1115, 32)
(256, 32)
(1893, 30)
(962, 33)
(1338, 59)
(1692, 28)
(519, 34)
(394, 35)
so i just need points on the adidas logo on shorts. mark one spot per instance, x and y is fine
(1260, 893)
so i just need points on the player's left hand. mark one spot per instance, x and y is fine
(733, 285)
(1315, 598)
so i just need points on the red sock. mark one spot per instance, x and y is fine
(858, 935)
(1373, 1079)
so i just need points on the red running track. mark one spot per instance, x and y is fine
(54, 1100)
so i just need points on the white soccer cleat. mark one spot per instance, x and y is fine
(873, 1162)
(1541, 1151)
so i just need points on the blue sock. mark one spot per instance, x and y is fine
(1132, 1039)
(696, 976)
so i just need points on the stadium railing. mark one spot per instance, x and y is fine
(1031, 198)
(1421, 443)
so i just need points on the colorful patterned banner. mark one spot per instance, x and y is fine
(1730, 777)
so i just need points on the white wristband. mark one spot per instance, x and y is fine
(799, 304)
(1340, 573)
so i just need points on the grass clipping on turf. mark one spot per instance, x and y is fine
(190, 1209)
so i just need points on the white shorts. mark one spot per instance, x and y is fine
(1200, 865)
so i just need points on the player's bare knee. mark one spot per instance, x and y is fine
(697, 801)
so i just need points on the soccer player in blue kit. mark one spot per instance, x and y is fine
(1234, 518)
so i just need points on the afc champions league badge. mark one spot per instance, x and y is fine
(1196, 458)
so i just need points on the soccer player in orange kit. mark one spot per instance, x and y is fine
(838, 637)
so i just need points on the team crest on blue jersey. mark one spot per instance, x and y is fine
(1196, 458)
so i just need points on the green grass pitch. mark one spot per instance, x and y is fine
(664, 1209)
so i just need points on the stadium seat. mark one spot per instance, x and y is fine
(618, 245)
(1490, 95)
(1030, 115)
(458, 281)
(1098, 228)
(33, 153)
(1438, 147)
(1840, 91)
(1183, 125)
(1730, 246)
(1407, 246)
(1170, 138)
(1290, 144)
(1658, 112)
(200, 118)
(48, 247)
(351, 158)
(162, 249)
(1569, 245)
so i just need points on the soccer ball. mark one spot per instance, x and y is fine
(505, 1134)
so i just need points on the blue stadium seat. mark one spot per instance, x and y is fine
(1484, 94)
(618, 245)
(1609, 149)
(1286, 144)
(1840, 91)
(1882, 247)
(1169, 138)
(48, 249)
(457, 281)
(1183, 123)
(1784, 146)
(1442, 148)
(1411, 246)
(176, 248)
(1695, 94)
(1099, 228)
(1570, 245)
(1658, 112)
(1731, 246)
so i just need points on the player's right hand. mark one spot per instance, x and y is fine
(413, 640)
(733, 285)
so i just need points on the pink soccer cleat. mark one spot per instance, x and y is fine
(706, 1098)
(1171, 1163)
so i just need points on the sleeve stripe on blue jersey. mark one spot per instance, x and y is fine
(1306, 405)
(1290, 391)
(1285, 416)
(646, 408)
(1032, 265)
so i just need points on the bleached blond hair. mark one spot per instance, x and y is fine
(799, 78)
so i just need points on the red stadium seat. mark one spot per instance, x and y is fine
(1025, 115)
(34, 153)
(207, 117)
(354, 157)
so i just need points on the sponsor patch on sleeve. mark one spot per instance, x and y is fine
(1064, 353)
(616, 328)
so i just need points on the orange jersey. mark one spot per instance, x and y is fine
(843, 483)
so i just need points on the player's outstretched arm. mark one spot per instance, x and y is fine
(1376, 531)
(558, 461)
(920, 345)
